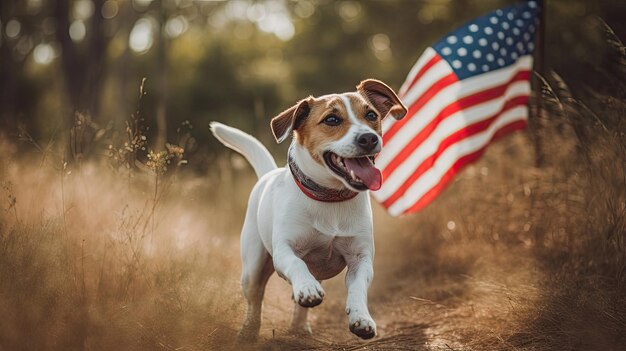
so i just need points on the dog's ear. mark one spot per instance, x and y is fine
(383, 97)
(290, 119)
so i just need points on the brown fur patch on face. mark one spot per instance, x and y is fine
(313, 133)
(361, 108)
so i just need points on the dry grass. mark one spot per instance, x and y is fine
(510, 257)
(91, 262)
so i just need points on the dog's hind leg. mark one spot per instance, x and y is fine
(299, 323)
(256, 270)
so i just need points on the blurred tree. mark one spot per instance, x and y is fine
(19, 27)
(161, 76)
(240, 62)
(8, 79)
(82, 64)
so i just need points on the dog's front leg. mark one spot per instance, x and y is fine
(358, 278)
(307, 291)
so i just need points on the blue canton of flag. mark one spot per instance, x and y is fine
(492, 41)
(464, 92)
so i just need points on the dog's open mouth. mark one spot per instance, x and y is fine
(359, 172)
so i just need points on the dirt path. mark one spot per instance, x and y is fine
(432, 306)
(397, 317)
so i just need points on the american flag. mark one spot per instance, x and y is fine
(464, 92)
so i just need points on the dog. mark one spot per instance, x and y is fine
(313, 218)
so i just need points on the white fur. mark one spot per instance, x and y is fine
(305, 241)
(245, 144)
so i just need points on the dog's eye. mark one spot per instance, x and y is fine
(371, 116)
(332, 120)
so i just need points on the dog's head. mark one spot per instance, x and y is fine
(342, 132)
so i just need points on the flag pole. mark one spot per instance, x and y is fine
(540, 69)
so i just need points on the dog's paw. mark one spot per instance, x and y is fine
(308, 294)
(249, 331)
(303, 330)
(363, 327)
(247, 336)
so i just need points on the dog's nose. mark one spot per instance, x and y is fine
(367, 141)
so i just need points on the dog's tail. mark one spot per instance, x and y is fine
(245, 144)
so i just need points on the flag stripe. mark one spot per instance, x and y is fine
(451, 125)
(433, 71)
(448, 158)
(459, 105)
(394, 142)
(459, 135)
(437, 77)
(425, 98)
(431, 194)
(425, 62)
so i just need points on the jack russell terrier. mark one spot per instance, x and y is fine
(312, 218)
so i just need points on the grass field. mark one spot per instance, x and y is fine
(511, 256)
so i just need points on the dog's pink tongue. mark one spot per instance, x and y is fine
(365, 170)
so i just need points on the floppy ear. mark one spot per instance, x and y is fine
(383, 98)
(290, 119)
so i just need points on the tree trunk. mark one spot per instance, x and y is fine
(83, 75)
(7, 73)
(161, 82)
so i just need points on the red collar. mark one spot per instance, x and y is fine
(316, 191)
